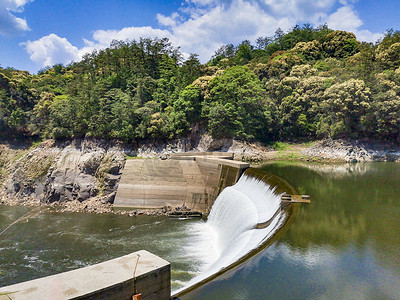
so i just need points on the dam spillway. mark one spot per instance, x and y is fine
(235, 218)
(191, 179)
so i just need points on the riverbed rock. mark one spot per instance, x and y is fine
(353, 151)
(77, 170)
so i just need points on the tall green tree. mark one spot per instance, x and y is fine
(236, 107)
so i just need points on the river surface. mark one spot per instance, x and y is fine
(344, 245)
(45, 243)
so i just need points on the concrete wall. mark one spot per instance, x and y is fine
(111, 279)
(194, 180)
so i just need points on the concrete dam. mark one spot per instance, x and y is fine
(194, 180)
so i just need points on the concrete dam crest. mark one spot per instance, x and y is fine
(191, 179)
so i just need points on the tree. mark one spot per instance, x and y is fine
(386, 108)
(236, 96)
(309, 50)
(186, 110)
(384, 117)
(243, 53)
(341, 44)
(390, 57)
(263, 42)
(64, 117)
(191, 69)
(345, 107)
(40, 117)
(281, 64)
(225, 51)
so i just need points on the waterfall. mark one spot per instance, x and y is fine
(234, 218)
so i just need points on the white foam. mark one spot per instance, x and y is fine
(233, 218)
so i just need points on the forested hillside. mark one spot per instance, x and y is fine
(308, 83)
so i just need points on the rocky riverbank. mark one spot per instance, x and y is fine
(95, 205)
(83, 175)
(352, 151)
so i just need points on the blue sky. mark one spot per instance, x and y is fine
(38, 33)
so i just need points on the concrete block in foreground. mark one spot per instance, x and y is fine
(112, 279)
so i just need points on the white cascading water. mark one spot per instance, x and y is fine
(234, 217)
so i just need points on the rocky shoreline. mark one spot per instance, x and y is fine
(352, 151)
(93, 206)
(83, 175)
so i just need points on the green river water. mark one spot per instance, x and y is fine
(344, 245)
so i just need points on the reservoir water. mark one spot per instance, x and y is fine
(344, 245)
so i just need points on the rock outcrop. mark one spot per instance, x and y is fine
(353, 151)
(60, 172)
(244, 151)
(77, 170)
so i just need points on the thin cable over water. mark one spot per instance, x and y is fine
(28, 215)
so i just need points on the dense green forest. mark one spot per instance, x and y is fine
(306, 84)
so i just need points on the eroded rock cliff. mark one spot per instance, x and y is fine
(76, 170)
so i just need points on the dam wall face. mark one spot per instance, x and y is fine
(119, 278)
(193, 180)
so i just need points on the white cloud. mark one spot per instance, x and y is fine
(9, 23)
(231, 24)
(201, 26)
(347, 2)
(300, 10)
(168, 21)
(201, 2)
(51, 49)
(105, 37)
(368, 36)
(345, 18)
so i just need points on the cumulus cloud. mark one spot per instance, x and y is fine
(345, 18)
(347, 2)
(299, 9)
(51, 49)
(202, 26)
(220, 25)
(9, 23)
(368, 36)
(168, 21)
(105, 37)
